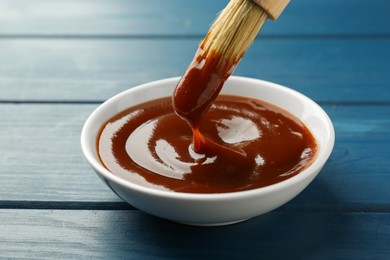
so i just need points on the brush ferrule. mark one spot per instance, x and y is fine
(272, 7)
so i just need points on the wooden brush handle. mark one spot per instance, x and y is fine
(272, 7)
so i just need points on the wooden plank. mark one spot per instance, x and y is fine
(135, 235)
(107, 17)
(41, 159)
(354, 174)
(94, 70)
(176, 17)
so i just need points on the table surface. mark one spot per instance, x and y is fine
(61, 59)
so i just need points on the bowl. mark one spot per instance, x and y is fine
(222, 208)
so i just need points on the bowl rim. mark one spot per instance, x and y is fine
(313, 169)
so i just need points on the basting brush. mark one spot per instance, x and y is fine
(218, 55)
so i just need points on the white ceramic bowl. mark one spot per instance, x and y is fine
(212, 209)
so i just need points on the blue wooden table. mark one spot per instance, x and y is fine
(60, 59)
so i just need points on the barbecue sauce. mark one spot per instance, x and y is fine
(198, 141)
(150, 145)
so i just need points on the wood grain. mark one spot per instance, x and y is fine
(330, 70)
(41, 158)
(135, 235)
(60, 59)
(183, 18)
(42, 161)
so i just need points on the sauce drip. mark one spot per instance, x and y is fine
(150, 145)
(196, 91)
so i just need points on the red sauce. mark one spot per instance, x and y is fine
(224, 144)
(151, 145)
(198, 88)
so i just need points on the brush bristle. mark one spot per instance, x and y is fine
(235, 29)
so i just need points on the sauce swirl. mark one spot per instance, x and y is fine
(253, 144)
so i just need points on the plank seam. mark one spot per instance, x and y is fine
(65, 205)
(74, 205)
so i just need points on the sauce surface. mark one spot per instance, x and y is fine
(249, 144)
